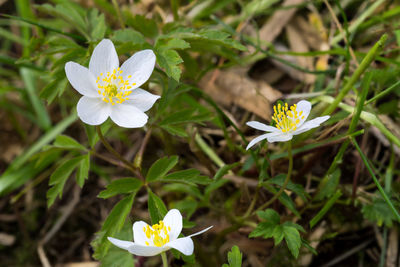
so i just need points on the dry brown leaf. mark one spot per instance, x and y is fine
(81, 264)
(275, 24)
(298, 44)
(235, 87)
(393, 248)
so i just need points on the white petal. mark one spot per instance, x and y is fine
(311, 124)
(262, 137)
(139, 236)
(147, 251)
(93, 111)
(280, 138)
(173, 219)
(142, 99)
(128, 116)
(305, 107)
(261, 126)
(139, 66)
(104, 58)
(202, 231)
(81, 79)
(120, 243)
(184, 245)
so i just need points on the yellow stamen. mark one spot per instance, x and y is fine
(287, 118)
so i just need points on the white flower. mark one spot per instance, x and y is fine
(289, 122)
(152, 240)
(110, 91)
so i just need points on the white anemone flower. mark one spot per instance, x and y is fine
(289, 122)
(112, 91)
(152, 240)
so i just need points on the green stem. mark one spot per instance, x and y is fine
(164, 259)
(383, 193)
(285, 183)
(113, 151)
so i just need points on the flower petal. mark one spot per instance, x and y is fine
(305, 107)
(202, 231)
(147, 251)
(81, 79)
(139, 236)
(261, 126)
(93, 111)
(184, 245)
(128, 116)
(142, 99)
(139, 66)
(104, 58)
(120, 243)
(173, 219)
(280, 138)
(311, 124)
(262, 137)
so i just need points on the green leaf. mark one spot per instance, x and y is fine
(67, 142)
(278, 234)
(97, 25)
(169, 61)
(293, 240)
(224, 170)
(264, 229)
(297, 188)
(328, 185)
(59, 177)
(121, 186)
(117, 257)
(190, 176)
(235, 257)
(160, 168)
(83, 170)
(128, 35)
(175, 130)
(325, 208)
(148, 27)
(379, 212)
(174, 43)
(114, 222)
(157, 208)
(270, 216)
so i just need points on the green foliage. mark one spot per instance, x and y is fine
(160, 168)
(379, 212)
(157, 208)
(234, 258)
(59, 178)
(121, 186)
(271, 227)
(114, 223)
(66, 142)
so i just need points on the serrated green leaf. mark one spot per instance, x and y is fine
(59, 177)
(157, 208)
(235, 257)
(278, 234)
(114, 222)
(169, 60)
(175, 130)
(190, 176)
(379, 212)
(293, 240)
(264, 229)
(148, 27)
(224, 170)
(269, 215)
(67, 142)
(160, 168)
(121, 186)
(297, 188)
(128, 35)
(83, 170)
(97, 26)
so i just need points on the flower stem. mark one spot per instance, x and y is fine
(113, 151)
(285, 183)
(164, 259)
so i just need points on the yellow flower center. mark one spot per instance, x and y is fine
(113, 87)
(158, 233)
(287, 118)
